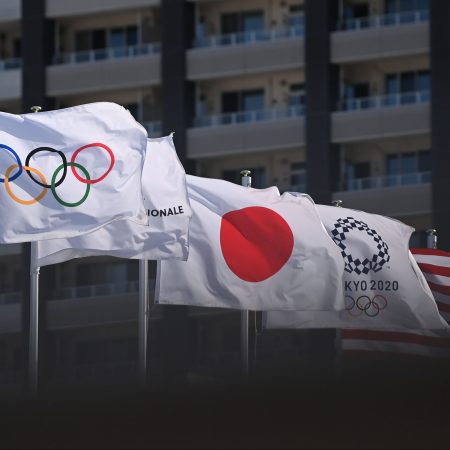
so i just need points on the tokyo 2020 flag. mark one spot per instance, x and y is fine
(68, 172)
(253, 249)
(383, 286)
(166, 200)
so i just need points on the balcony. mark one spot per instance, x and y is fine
(247, 52)
(386, 101)
(246, 131)
(10, 79)
(385, 116)
(381, 37)
(104, 69)
(387, 20)
(58, 8)
(388, 181)
(409, 197)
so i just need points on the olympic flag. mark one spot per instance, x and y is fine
(68, 172)
(166, 236)
(253, 249)
(383, 286)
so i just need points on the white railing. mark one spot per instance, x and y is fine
(362, 23)
(385, 101)
(154, 129)
(10, 64)
(249, 116)
(97, 290)
(388, 181)
(249, 37)
(107, 53)
(10, 298)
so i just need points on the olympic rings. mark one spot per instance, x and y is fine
(18, 162)
(75, 167)
(53, 186)
(17, 199)
(51, 150)
(88, 181)
(365, 305)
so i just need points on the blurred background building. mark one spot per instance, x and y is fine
(343, 99)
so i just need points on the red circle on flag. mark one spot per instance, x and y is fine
(256, 242)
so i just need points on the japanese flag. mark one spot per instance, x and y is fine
(253, 249)
(383, 286)
(167, 204)
(68, 172)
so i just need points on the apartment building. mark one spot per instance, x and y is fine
(343, 99)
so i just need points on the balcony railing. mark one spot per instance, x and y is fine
(250, 37)
(10, 64)
(9, 298)
(154, 129)
(249, 116)
(386, 20)
(388, 181)
(390, 100)
(107, 53)
(97, 290)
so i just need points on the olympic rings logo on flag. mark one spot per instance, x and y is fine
(365, 305)
(54, 182)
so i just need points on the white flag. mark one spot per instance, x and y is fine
(68, 172)
(383, 286)
(166, 236)
(253, 249)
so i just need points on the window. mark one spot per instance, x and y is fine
(99, 39)
(408, 168)
(297, 94)
(402, 6)
(296, 16)
(251, 100)
(258, 176)
(242, 21)
(407, 87)
(298, 176)
(357, 175)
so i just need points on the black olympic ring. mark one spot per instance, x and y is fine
(363, 304)
(51, 150)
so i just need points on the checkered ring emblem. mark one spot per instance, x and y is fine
(378, 260)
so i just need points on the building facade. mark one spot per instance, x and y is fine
(343, 99)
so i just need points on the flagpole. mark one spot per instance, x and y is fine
(246, 181)
(143, 322)
(34, 322)
(34, 312)
(338, 336)
(431, 238)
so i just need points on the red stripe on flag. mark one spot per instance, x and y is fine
(436, 270)
(429, 251)
(443, 307)
(439, 288)
(394, 336)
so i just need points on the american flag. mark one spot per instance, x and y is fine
(435, 265)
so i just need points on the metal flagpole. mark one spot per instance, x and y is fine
(34, 312)
(246, 181)
(338, 335)
(143, 322)
(431, 238)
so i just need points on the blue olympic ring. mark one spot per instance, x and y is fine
(17, 175)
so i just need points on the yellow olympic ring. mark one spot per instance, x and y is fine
(17, 199)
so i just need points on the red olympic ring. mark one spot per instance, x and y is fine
(97, 180)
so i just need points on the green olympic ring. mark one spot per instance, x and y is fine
(53, 185)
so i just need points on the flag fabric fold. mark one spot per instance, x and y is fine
(383, 286)
(253, 249)
(168, 209)
(70, 171)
